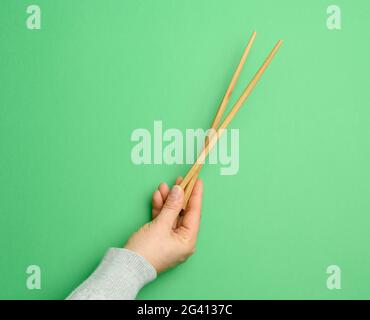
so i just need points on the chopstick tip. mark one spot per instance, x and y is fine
(278, 44)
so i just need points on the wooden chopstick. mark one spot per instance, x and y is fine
(221, 110)
(230, 116)
(234, 79)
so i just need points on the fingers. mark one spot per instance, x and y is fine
(158, 199)
(157, 203)
(178, 180)
(164, 190)
(172, 206)
(191, 217)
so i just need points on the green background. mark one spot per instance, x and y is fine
(73, 92)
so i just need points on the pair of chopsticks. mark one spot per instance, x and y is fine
(189, 181)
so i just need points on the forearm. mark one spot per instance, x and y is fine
(119, 276)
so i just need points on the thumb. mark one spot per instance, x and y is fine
(172, 206)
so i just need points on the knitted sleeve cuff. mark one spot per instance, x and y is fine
(119, 276)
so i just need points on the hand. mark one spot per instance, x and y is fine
(169, 238)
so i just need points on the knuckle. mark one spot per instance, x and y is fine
(172, 205)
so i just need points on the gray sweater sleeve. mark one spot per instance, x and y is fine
(119, 276)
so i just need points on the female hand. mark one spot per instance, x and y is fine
(170, 237)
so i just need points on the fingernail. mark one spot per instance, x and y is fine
(176, 192)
